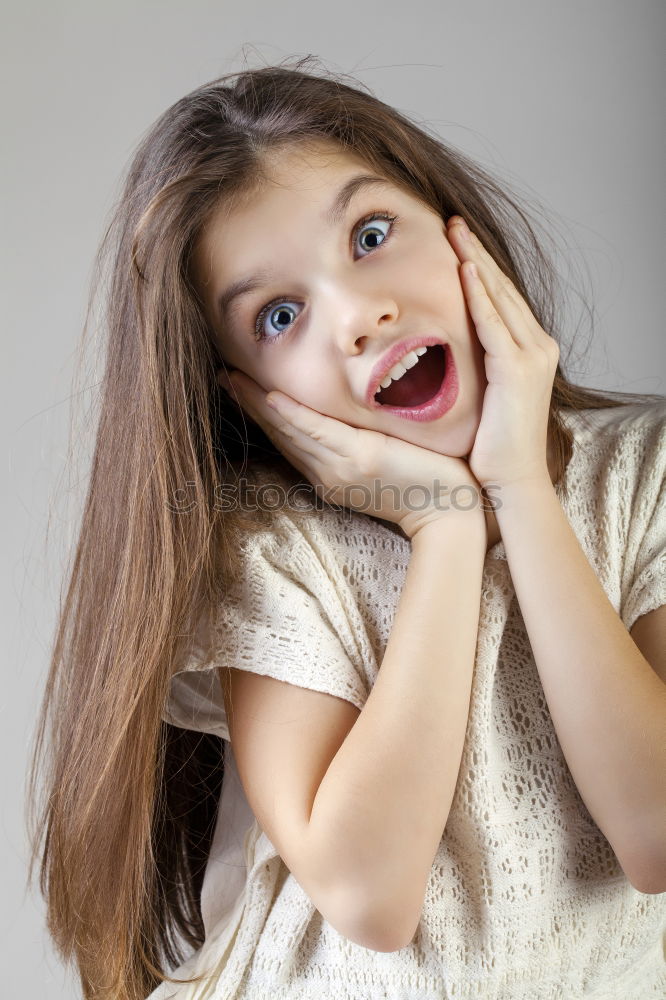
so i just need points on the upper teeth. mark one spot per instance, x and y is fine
(401, 367)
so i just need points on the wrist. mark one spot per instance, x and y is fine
(433, 523)
(522, 494)
(528, 476)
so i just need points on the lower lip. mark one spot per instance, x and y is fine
(440, 404)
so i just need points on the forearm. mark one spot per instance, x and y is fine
(382, 806)
(607, 704)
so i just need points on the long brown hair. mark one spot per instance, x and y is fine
(129, 801)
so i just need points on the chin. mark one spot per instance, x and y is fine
(458, 448)
(452, 443)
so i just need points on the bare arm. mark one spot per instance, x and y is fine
(607, 703)
(382, 805)
(360, 827)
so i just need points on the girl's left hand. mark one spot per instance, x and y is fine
(520, 360)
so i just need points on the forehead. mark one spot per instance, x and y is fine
(305, 172)
(292, 181)
(311, 167)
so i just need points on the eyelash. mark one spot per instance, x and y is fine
(264, 311)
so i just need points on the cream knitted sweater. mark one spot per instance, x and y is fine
(526, 899)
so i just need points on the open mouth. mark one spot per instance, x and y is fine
(419, 384)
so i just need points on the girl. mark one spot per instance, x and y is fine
(405, 738)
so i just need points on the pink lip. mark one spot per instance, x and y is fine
(434, 408)
(384, 365)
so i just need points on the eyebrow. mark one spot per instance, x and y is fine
(332, 217)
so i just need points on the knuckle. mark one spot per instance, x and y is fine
(542, 361)
(306, 424)
(369, 455)
(492, 317)
(367, 462)
(337, 469)
(551, 350)
(286, 431)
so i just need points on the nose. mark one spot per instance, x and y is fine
(365, 318)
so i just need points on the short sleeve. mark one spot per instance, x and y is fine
(644, 583)
(283, 617)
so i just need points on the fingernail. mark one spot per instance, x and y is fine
(277, 399)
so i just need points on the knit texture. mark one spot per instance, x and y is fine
(526, 899)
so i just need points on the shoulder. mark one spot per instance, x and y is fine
(612, 423)
(628, 440)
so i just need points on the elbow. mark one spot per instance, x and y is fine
(649, 888)
(385, 936)
(387, 927)
(645, 854)
(377, 928)
(649, 880)
(342, 911)
(647, 874)
(380, 939)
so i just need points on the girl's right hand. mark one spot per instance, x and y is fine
(362, 469)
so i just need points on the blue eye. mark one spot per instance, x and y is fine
(283, 307)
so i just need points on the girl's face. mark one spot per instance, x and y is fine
(337, 296)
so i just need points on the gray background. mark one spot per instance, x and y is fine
(563, 100)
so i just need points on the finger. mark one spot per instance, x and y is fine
(318, 440)
(491, 329)
(507, 299)
(283, 432)
(471, 247)
(508, 302)
(502, 305)
(332, 435)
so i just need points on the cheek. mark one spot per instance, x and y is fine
(438, 267)
(441, 283)
(304, 378)
(316, 386)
